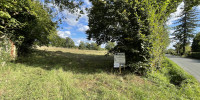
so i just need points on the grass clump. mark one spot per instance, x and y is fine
(174, 77)
(67, 74)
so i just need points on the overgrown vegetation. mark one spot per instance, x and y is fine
(26, 23)
(60, 73)
(138, 28)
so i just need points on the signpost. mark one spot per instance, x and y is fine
(119, 60)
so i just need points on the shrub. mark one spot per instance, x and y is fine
(196, 43)
(194, 55)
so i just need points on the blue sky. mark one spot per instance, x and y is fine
(75, 29)
(174, 17)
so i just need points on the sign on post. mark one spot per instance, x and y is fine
(119, 60)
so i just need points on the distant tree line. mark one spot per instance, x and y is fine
(67, 42)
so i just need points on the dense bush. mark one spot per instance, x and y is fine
(26, 23)
(196, 43)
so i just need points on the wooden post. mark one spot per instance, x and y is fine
(120, 70)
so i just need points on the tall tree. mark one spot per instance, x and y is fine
(187, 23)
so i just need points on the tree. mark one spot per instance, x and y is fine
(110, 45)
(25, 22)
(196, 43)
(178, 48)
(69, 43)
(138, 28)
(94, 46)
(82, 45)
(184, 31)
(88, 46)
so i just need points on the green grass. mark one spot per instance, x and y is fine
(59, 73)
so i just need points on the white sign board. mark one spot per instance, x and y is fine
(119, 60)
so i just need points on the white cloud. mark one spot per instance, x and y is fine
(82, 28)
(78, 40)
(171, 31)
(198, 7)
(87, 2)
(64, 34)
(174, 16)
(67, 28)
(72, 18)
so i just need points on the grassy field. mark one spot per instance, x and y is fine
(71, 74)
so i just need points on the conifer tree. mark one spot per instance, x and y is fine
(184, 31)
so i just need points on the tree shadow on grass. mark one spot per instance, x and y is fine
(77, 63)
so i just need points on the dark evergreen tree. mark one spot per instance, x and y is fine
(184, 31)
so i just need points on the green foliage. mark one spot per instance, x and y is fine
(110, 45)
(171, 75)
(69, 43)
(26, 23)
(57, 41)
(171, 51)
(196, 43)
(94, 46)
(4, 51)
(89, 46)
(179, 48)
(195, 55)
(82, 45)
(184, 31)
(136, 26)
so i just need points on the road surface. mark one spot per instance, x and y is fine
(192, 66)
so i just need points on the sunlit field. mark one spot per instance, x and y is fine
(72, 74)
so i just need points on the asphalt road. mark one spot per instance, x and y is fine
(192, 66)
